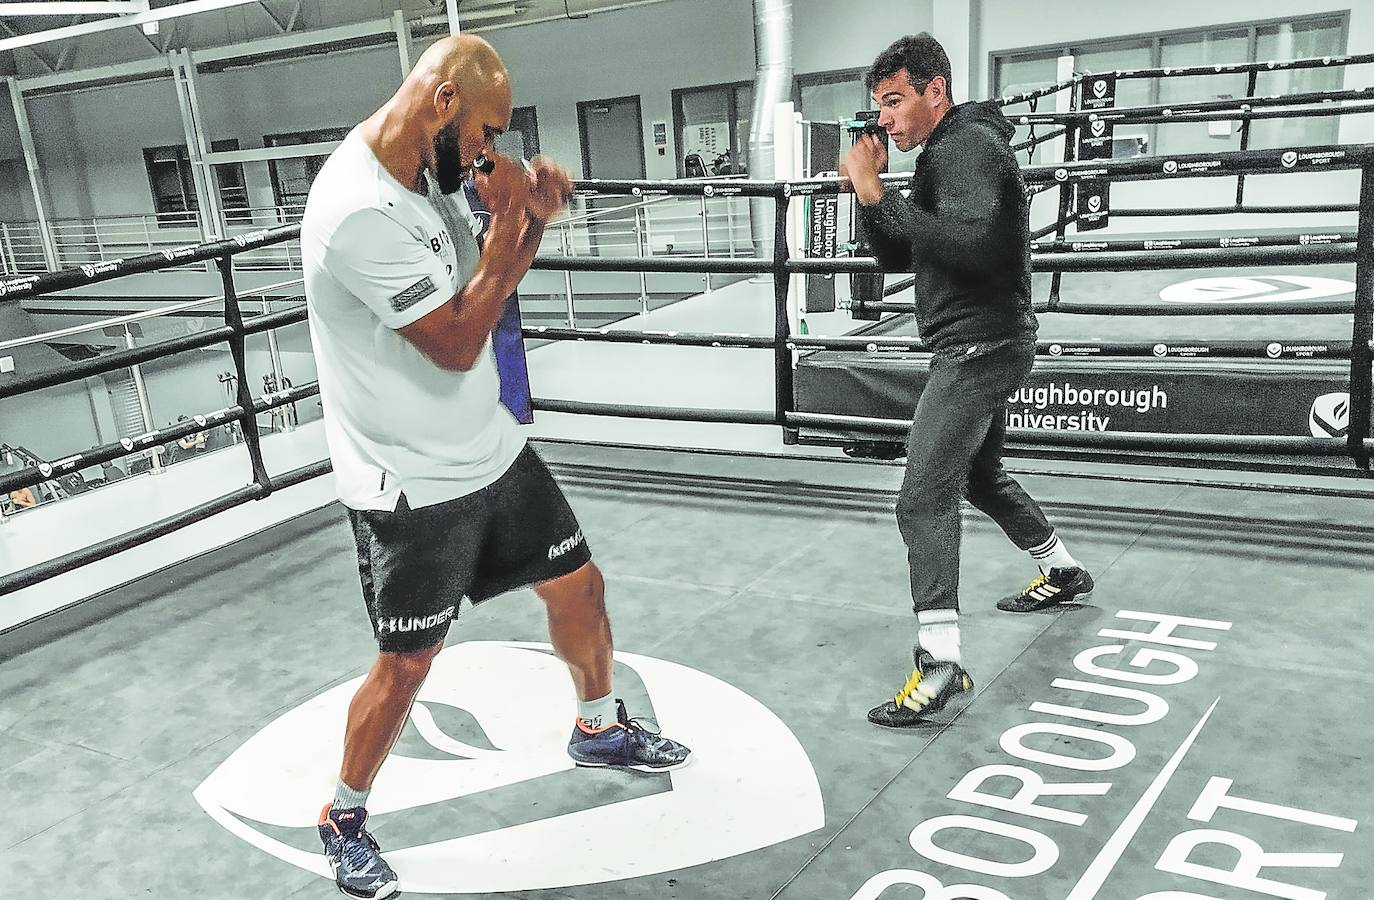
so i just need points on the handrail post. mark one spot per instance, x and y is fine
(565, 240)
(705, 240)
(233, 317)
(641, 243)
(141, 392)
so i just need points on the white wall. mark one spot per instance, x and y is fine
(1012, 24)
(90, 142)
(830, 35)
(555, 65)
(90, 145)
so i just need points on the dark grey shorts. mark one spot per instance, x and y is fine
(417, 564)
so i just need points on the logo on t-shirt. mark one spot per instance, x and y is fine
(413, 294)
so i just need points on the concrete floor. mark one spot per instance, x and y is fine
(760, 608)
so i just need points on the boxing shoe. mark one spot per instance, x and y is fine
(626, 743)
(933, 687)
(1053, 588)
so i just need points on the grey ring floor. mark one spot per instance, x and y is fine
(784, 579)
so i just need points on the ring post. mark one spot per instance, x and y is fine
(1360, 355)
(782, 356)
(233, 317)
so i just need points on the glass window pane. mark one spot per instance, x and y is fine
(834, 101)
(744, 117)
(1214, 47)
(1107, 57)
(705, 129)
(1294, 41)
(291, 178)
(1017, 75)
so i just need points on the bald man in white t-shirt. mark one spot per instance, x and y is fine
(444, 497)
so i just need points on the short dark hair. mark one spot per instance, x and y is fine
(922, 57)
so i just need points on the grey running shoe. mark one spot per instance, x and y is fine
(359, 870)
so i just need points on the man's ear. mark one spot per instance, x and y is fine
(937, 90)
(446, 99)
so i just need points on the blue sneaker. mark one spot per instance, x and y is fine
(627, 744)
(359, 870)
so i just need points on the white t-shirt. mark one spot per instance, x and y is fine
(378, 257)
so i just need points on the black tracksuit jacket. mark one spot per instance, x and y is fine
(963, 233)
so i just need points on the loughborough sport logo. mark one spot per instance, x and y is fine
(747, 788)
(1330, 416)
(1256, 289)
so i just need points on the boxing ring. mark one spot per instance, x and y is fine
(1138, 747)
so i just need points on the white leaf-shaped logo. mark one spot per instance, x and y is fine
(749, 785)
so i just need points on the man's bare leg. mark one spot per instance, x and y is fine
(581, 635)
(378, 712)
(579, 628)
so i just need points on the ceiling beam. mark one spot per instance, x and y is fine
(65, 55)
(281, 26)
(6, 29)
(120, 72)
(87, 8)
(161, 14)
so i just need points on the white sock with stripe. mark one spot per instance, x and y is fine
(938, 634)
(595, 715)
(1052, 554)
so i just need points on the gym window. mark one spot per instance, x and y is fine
(1314, 36)
(711, 125)
(291, 178)
(832, 96)
(174, 188)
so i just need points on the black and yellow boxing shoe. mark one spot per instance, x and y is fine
(935, 686)
(1054, 588)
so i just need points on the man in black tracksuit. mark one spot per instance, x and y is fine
(963, 233)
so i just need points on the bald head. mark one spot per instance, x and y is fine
(464, 60)
(456, 101)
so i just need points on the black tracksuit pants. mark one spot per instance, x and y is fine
(955, 450)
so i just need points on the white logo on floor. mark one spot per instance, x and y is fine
(1262, 288)
(750, 784)
(1330, 416)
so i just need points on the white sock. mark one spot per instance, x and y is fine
(938, 634)
(596, 714)
(346, 797)
(1052, 555)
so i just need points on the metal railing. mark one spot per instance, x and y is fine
(95, 239)
(648, 226)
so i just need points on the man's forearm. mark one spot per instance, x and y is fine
(882, 225)
(478, 306)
